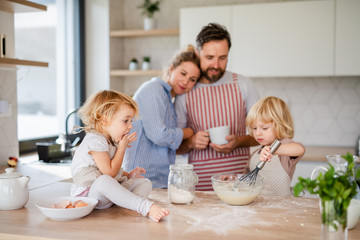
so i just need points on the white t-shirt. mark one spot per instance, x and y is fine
(91, 142)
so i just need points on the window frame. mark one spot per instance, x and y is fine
(29, 145)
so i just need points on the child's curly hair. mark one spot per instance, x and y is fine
(103, 105)
(272, 110)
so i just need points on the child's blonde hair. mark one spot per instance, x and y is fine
(103, 104)
(272, 110)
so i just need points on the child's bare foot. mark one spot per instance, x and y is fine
(156, 213)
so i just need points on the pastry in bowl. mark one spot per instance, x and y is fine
(67, 208)
(244, 193)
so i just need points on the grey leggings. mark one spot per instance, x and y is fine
(108, 191)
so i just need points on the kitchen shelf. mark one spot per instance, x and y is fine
(128, 73)
(140, 33)
(144, 33)
(20, 6)
(13, 62)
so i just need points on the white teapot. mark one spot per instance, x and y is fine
(14, 191)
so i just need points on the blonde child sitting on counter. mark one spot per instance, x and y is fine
(270, 119)
(96, 165)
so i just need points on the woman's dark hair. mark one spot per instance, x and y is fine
(212, 32)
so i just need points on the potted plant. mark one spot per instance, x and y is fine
(335, 190)
(146, 63)
(148, 9)
(133, 65)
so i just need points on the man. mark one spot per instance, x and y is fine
(220, 98)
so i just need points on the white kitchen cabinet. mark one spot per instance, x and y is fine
(347, 56)
(193, 19)
(284, 39)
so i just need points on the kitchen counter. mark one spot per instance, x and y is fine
(318, 154)
(206, 218)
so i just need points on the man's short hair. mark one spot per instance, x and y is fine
(212, 32)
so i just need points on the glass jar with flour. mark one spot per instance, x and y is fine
(181, 183)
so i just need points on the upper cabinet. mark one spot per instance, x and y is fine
(347, 55)
(193, 19)
(285, 38)
(7, 9)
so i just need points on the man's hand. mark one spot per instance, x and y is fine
(226, 148)
(200, 140)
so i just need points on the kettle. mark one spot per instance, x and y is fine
(14, 191)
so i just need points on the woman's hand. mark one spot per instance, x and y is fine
(136, 173)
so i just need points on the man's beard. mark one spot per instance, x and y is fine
(213, 78)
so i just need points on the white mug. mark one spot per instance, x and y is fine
(218, 134)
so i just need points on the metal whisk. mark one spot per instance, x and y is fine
(250, 178)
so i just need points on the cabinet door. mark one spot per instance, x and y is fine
(193, 19)
(284, 39)
(347, 58)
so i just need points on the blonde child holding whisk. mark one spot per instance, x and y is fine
(96, 165)
(270, 119)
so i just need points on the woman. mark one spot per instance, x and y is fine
(158, 136)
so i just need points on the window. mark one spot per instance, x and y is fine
(47, 95)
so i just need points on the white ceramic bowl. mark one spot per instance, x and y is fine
(242, 195)
(61, 214)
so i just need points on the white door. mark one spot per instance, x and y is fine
(347, 56)
(284, 39)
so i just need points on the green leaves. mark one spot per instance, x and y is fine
(332, 185)
(149, 8)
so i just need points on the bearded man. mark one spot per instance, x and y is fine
(220, 98)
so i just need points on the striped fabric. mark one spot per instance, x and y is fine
(158, 136)
(215, 106)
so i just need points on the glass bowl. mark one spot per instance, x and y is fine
(242, 194)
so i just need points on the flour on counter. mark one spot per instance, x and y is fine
(221, 220)
(180, 196)
(225, 218)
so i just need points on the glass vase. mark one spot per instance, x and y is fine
(334, 221)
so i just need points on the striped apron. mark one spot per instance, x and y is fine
(215, 106)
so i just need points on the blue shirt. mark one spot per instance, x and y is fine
(158, 136)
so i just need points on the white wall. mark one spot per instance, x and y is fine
(97, 46)
(8, 124)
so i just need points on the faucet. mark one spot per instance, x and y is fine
(67, 140)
